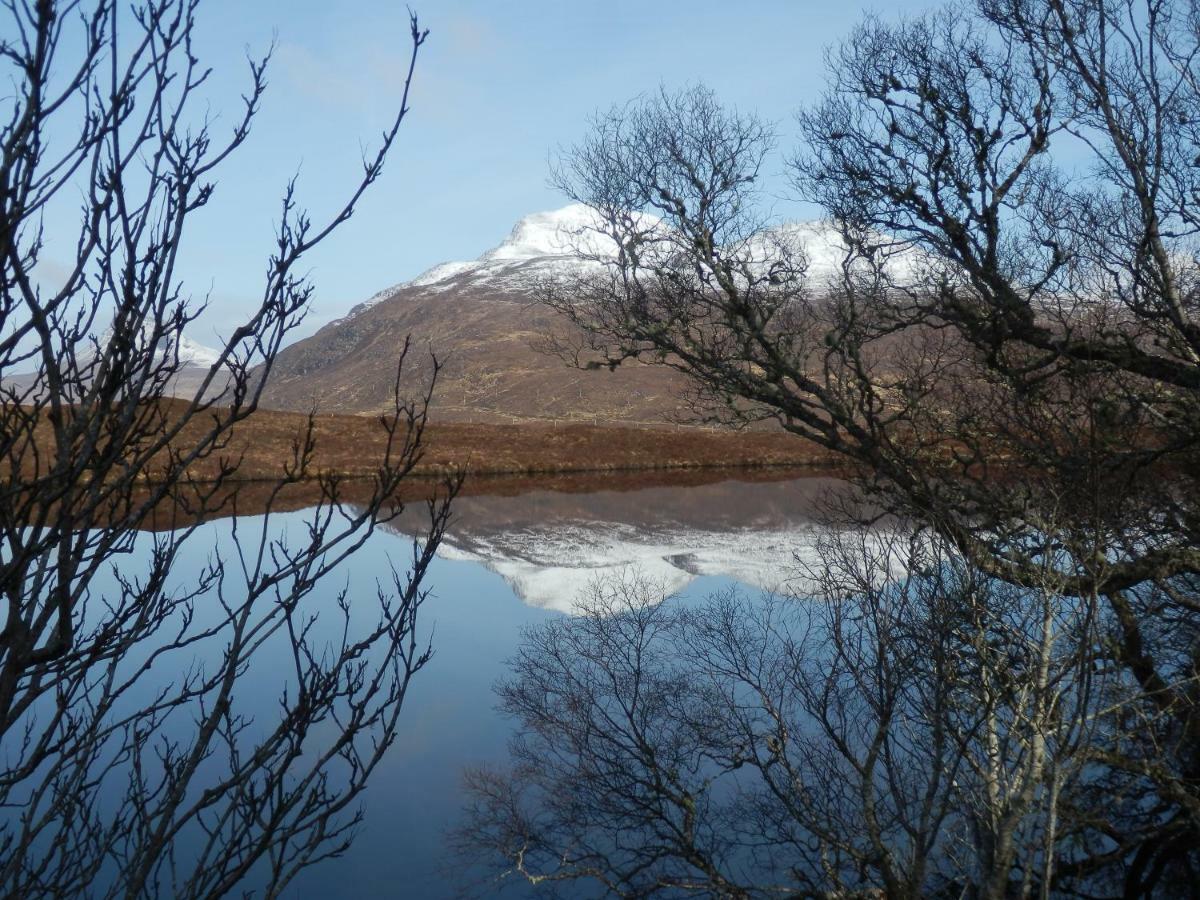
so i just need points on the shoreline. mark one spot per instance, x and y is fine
(347, 449)
(817, 467)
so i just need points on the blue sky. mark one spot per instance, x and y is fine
(499, 85)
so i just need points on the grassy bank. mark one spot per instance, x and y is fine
(351, 445)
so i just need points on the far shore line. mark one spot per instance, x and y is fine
(819, 467)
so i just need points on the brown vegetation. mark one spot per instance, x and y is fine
(348, 445)
(571, 457)
(491, 370)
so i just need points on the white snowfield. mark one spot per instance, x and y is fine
(567, 241)
(192, 353)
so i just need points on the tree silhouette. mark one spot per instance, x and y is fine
(131, 765)
(1007, 350)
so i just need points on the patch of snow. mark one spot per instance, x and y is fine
(561, 232)
(440, 272)
(825, 252)
(190, 352)
(539, 245)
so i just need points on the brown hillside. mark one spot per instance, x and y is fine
(491, 373)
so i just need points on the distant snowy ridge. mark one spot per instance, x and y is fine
(549, 243)
(825, 251)
(190, 352)
(539, 244)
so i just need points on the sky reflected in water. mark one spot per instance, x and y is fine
(508, 563)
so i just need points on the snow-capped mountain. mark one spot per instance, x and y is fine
(190, 353)
(190, 368)
(540, 244)
(568, 240)
(479, 317)
(825, 252)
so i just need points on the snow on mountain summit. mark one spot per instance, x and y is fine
(550, 243)
(192, 353)
(554, 233)
(170, 346)
(546, 240)
(825, 251)
(539, 244)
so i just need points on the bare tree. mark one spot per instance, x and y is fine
(1008, 351)
(910, 729)
(132, 765)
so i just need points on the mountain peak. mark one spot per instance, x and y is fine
(538, 243)
(171, 345)
(550, 233)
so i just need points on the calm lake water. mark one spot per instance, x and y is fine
(509, 562)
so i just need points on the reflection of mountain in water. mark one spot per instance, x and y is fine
(549, 546)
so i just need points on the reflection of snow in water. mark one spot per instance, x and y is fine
(550, 546)
(552, 568)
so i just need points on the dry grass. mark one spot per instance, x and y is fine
(351, 446)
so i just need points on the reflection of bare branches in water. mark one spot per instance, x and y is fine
(888, 735)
